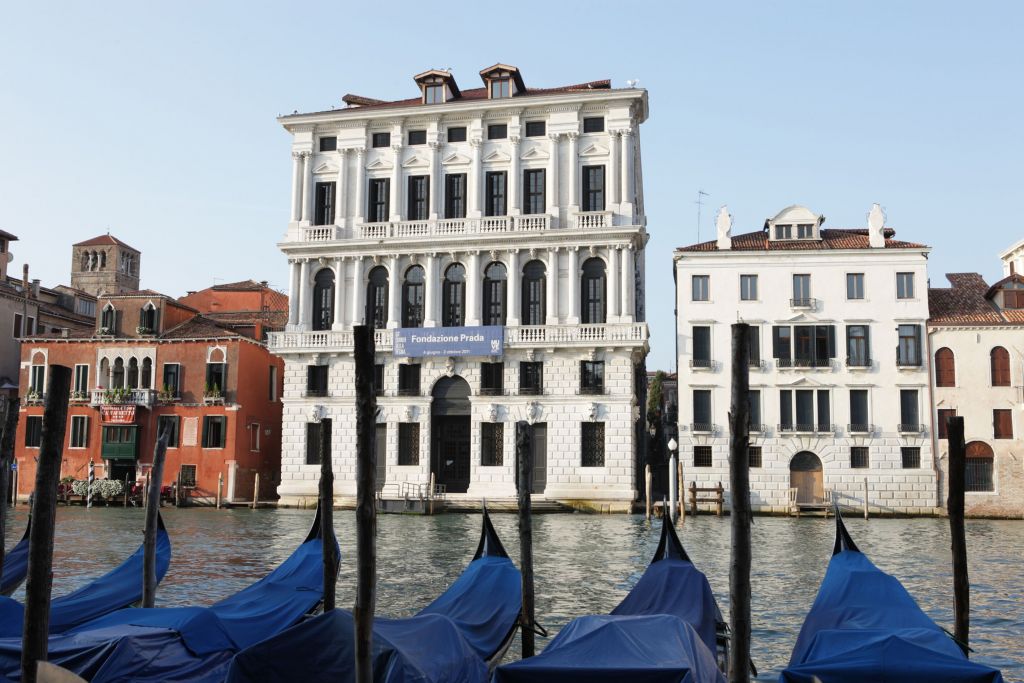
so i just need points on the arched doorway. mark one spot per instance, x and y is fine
(450, 434)
(806, 476)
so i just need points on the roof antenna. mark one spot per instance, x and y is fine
(631, 83)
(700, 202)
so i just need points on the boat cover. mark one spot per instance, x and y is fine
(865, 626)
(15, 564)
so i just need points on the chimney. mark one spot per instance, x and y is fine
(723, 226)
(35, 289)
(876, 227)
(24, 280)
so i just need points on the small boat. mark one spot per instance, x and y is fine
(117, 589)
(16, 564)
(458, 637)
(668, 628)
(865, 626)
(187, 643)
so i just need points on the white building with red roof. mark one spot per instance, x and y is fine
(839, 389)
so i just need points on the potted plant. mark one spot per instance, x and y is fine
(166, 395)
(78, 396)
(106, 331)
(33, 396)
(212, 394)
(143, 329)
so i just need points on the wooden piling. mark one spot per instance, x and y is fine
(177, 490)
(647, 491)
(256, 491)
(35, 632)
(330, 560)
(14, 488)
(524, 458)
(366, 509)
(865, 497)
(739, 485)
(126, 491)
(681, 487)
(10, 427)
(719, 499)
(957, 533)
(220, 488)
(693, 498)
(149, 580)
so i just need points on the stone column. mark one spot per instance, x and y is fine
(475, 180)
(339, 293)
(613, 291)
(358, 292)
(574, 285)
(552, 303)
(473, 287)
(341, 190)
(433, 285)
(613, 174)
(514, 292)
(307, 187)
(574, 172)
(627, 174)
(628, 284)
(396, 184)
(293, 296)
(394, 294)
(552, 179)
(436, 181)
(304, 321)
(514, 185)
(360, 185)
(296, 187)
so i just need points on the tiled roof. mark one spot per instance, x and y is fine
(273, 319)
(1012, 277)
(104, 240)
(199, 327)
(965, 303)
(240, 286)
(472, 94)
(831, 238)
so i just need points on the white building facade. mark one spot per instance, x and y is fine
(505, 214)
(839, 378)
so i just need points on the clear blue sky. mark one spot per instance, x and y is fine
(157, 120)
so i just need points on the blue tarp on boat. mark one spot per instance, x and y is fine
(15, 564)
(452, 639)
(865, 626)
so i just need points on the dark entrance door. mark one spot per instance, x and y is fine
(450, 434)
(382, 456)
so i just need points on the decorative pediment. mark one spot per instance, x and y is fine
(806, 382)
(803, 317)
(415, 162)
(534, 154)
(594, 151)
(325, 168)
(455, 159)
(378, 164)
(497, 156)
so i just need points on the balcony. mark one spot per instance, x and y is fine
(806, 428)
(858, 362)
(591, 391)
(702, 427)
(320, 233)
(588, 220)
(757, 428)
(441, 227)
(908, 363)
(35, 398)
(860, 428)
(756, 364)
(493, 391)
(122, 397)
(408, 391)
(803, 302)
(904, 428)
(702, 364)
(804, 363)
(531, 391)
(320, 392)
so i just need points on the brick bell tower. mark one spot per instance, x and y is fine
(105, 265)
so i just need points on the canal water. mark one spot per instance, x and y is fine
(583, 563)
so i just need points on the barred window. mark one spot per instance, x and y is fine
(980, 462)
(593, 444)
(911, 457)
(188, 476)
(755, 456)
(408, 443)
(859, 457)
(491, 441)
(702, 456)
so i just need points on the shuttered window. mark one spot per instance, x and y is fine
(1000, 367)
(943, 416)
(945, 368)
(1002, 423)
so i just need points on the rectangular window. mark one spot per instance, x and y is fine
(801, 290)
(535, 129)
(911, 457)
(272, 384)
(457, 134)
(81, 379)
(216, 377)
(700, 287)
(33, 431)
(492, 379)
(188, 476)
(978, 476)
(904, 285)
(702, 410)
(497, 131)
(941, 429)
(495, 187)
(381, 139)
(783, 232)
(316, 380)
(748, 288)
(859, 458)
(804, 231)
(417, 137)
(593, 188)
(491, 443)
(378, 379)
(534, 189)
(409, 379)
(701, 346)
(323, 213)
(909, 415)
(172, 376)
(702, 456)
(858, 349)
(419, 198)
(328, 143)
(592, 377)
(592, 441)
(1013, 299)
(754, 403)
(17, 325)
(37, 379)
(859, 411)
(79, 431)
(378, 208)
(455, 195)
(531, 378)
(755, 456)
(908, 353)
(824, 412)
(313, 432)
(593, 124)
(214, 431)
(754, 356)
(168, 424)
(782, 343)
(408, 443)
(1002, 423)
(433, 94)
(854, 286)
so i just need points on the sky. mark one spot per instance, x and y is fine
(156, 121)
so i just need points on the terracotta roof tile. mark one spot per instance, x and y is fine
(831, 238)
(104, 240)
(964, 303)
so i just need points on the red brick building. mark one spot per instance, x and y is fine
(195, 366)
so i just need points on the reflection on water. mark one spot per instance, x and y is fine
(584, 563)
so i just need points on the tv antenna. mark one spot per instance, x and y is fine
(700, 202)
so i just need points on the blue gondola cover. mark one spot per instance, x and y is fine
(15, 565)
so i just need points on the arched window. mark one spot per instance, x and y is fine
(495, 288)
(323, 299)
(377, 298)
(147, 319)
(534, 284)
(412, 297)
(453, 296)
(980, 463)
(108, 320)
(104, 377)
(945, 368)
(117, 377)
(592, 292)
(1000, 367)
(103, 259)
(146, 381)
(85, 261)
(133, 374)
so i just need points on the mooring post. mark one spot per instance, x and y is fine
(256, 491)
(330, 560)
(366, 509)
(125, 491)
(681, 486)
(89, 485)
(865, 497)
(957, 533)
(10, 427)
(524, 458)
(177, 489)
(647, 491)
(220, 488)
(14, 488)
(720, 499)
(152, 513)
(35, 631)
(739, 485)
(693, 498)
(673, 484)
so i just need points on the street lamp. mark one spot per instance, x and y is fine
(673, 489)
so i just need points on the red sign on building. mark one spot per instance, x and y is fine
(117, 415)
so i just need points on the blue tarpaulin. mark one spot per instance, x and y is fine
(15, 564)
(865, 626)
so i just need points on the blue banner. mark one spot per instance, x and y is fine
(424, 342)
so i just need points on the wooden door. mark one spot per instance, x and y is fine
(807, 477)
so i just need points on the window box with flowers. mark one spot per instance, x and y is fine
(34, 397)
(78, 396)
(106, 331)
(144, 330)
(117, 396)
(167, 395)
(212, 395)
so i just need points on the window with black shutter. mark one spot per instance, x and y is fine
(378, 200)
(33, 431)
(377, 298)
(909, 415)
(754, 353)
(592, 377)
(413, 297)
(455, 195)
(495, 188)
(592, 292)
(754, 406)
(491, 444)
(908, 352)
(533, 294)
(534, 188)
(495, 283)
(214, 431)
(323, 299)
(535, 129)
(531, 378)
(592, 441)
(593, 124)
(453, 295)
(216, 377)
(701, 346)
(409, 379)
(702, 410)
(168, 424)
(593, 188)
(419, 198)
(858, 349)
(859, 421)
(492, 379)
(781, 343)
(378, 379)
(316, 380)
(323, 211)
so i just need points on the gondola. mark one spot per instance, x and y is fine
(188, 643)
(458, 637)
(16, 564)
(865, 626)
(117, 589)
(668, 628)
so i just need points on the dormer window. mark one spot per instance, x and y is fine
(499, 88)
(437, 86)
(502, 81)
(433, 94)
(804, 231)
(794, 223)
(783, 232)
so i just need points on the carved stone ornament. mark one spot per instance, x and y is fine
(492, 413)
(530, 355)
(594, 409)
(410, 413)
(322, 261)
(494, 255)
(317, 413)
(449, 366)
(533, 411)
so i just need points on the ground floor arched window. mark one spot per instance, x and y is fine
(980, 466)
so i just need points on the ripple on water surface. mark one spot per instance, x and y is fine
(584, 564)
